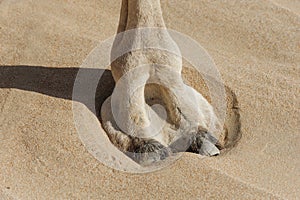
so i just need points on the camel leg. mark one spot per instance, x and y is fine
(127, 117)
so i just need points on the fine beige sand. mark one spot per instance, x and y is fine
(256, 47)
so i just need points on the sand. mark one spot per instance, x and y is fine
(255, 45)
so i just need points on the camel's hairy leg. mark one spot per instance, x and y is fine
(192, 116)
(144, 13)
(116, 136)
(123, 17)
(187, 109)
(141, 150)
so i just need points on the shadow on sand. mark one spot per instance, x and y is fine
(56, 82)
